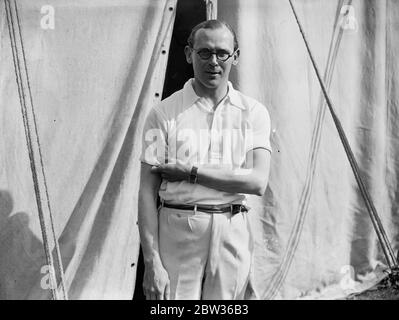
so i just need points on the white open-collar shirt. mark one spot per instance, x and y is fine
(184, 128)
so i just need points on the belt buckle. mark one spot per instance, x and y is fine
(241, 208)
(234, 208)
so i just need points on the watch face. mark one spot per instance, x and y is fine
(193, 175)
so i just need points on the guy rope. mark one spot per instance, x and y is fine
(50, 241)
(392, 261)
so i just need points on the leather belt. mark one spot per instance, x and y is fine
(233, 208)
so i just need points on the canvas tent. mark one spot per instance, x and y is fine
(86, 83)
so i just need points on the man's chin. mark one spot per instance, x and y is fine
(212, 83)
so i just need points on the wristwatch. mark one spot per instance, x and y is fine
(193, 175)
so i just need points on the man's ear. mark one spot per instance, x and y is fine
(187, 52)
(235, 57)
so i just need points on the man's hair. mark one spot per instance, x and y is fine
(211, 24)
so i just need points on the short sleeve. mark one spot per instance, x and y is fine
(154, 146)
(259, 124)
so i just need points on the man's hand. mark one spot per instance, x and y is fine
(173, 172)
(156, 282)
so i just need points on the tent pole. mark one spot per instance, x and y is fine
(211, 9)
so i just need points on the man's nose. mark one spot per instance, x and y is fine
(213, 59)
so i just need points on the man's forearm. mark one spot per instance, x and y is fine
(250, 181)
(148, 214)
(247, 181)
(148, 226)
(156, 279)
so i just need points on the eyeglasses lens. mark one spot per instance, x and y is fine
(220, 54)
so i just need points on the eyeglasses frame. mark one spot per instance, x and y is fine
(213, 53)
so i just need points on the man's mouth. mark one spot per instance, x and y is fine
(213, 72)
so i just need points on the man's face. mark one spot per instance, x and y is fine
(211, 74)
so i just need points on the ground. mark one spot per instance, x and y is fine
(378, 285)
(387, 289)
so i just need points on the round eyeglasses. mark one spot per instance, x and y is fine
(221, 55)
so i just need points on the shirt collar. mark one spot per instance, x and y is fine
(234, 97)
(190, 97)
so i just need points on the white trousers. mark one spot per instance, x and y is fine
(207, 256)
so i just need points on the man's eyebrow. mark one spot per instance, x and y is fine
(216, 50)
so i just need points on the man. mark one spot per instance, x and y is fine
(204, 148)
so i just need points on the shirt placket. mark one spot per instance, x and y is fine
(215, 153)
